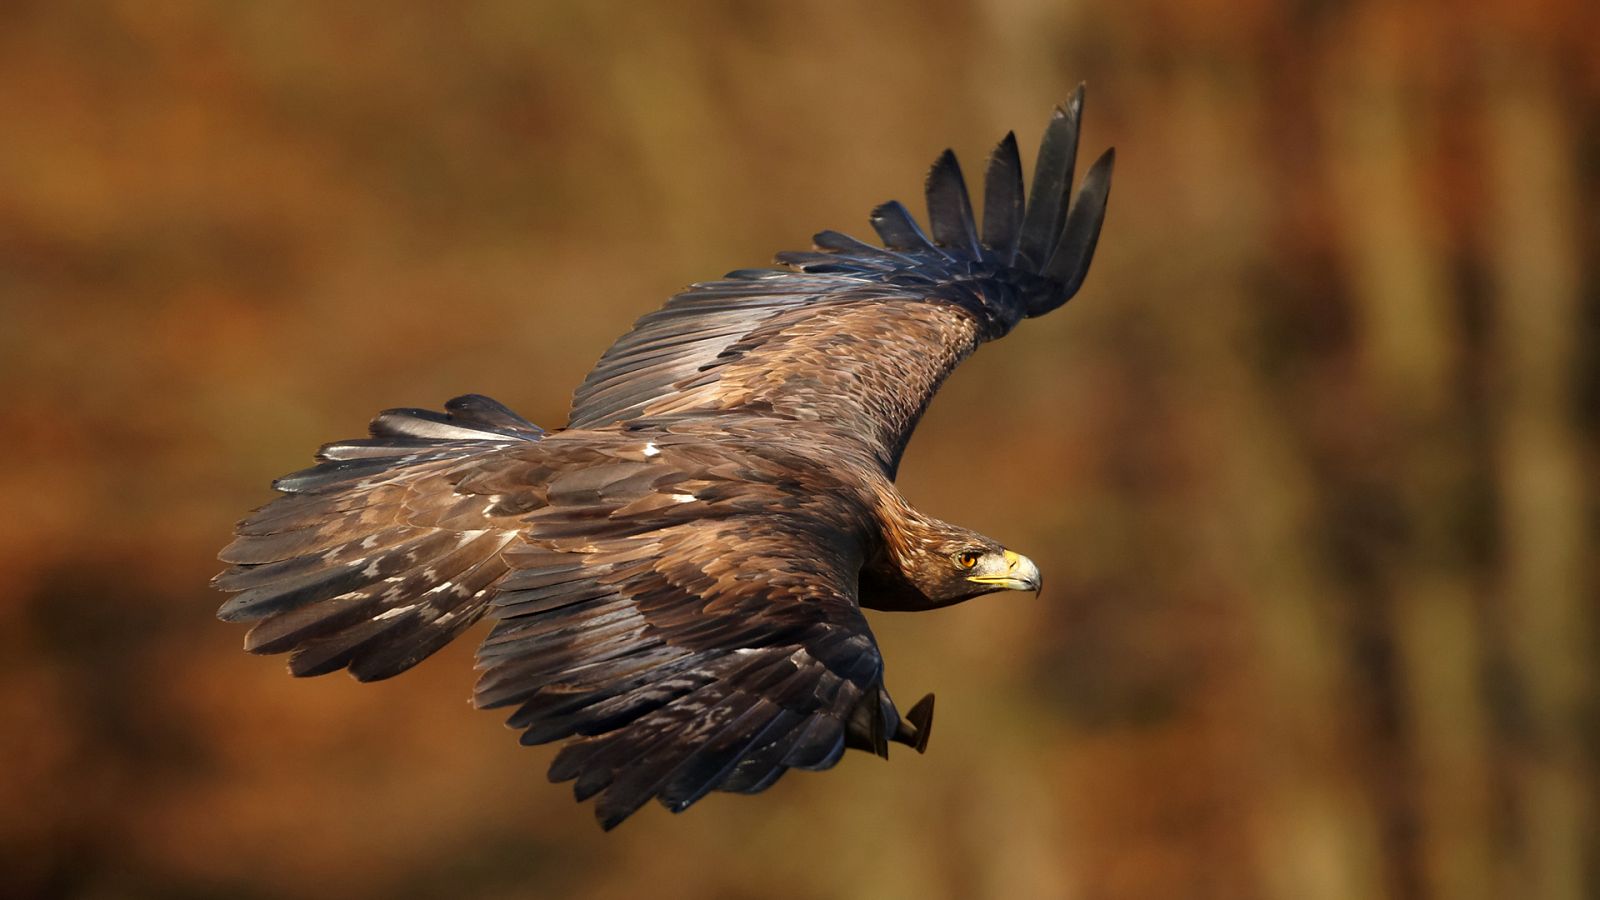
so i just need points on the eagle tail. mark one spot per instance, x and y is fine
(342, 572)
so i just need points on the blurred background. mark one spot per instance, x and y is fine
(1309, 464)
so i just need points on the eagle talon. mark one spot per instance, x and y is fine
(917, 725)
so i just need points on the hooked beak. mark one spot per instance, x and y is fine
(1020, 575)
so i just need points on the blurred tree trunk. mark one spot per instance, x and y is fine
(1318, 838)
(1545, 585)
(1409, 339)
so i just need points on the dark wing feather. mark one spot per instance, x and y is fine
(1070, 262)
(862, 335)
(677, 603)
(899, 229)
(384, 551)
(1004, 200)
(682, 657)
(950, 209)
(1052, 182)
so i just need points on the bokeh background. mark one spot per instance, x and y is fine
(1309, 464)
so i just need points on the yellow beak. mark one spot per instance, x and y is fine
(1020, 575)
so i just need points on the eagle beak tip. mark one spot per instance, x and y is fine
(1026, 572)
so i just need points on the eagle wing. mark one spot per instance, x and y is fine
(859, 335)
(683, 611)
(384, 551)
(711, 654)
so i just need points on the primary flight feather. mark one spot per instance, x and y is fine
(676, 578)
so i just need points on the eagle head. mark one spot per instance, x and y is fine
(930, 564)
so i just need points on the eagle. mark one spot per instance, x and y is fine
(677, 577)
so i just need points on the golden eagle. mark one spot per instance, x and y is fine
(677, 576)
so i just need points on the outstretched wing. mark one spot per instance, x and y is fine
(860, 335)
(712, 654)
(684, 610)
(384, 551)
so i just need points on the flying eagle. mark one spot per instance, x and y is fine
(676, 578)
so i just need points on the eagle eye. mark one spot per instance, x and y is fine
(968, 558)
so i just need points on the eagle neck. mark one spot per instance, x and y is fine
(886, 581)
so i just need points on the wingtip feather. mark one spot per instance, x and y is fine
(949, 206)
(1004, 200)
(1069, 264)
(898, 228)
(1052, 181)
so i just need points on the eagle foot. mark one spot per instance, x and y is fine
(916, 726)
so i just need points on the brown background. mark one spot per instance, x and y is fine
(1309, 465)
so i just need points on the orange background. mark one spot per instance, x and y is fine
(1309, 465)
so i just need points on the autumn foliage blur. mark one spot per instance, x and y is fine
(1309, 465)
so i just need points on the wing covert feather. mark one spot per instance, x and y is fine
(860, 334)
